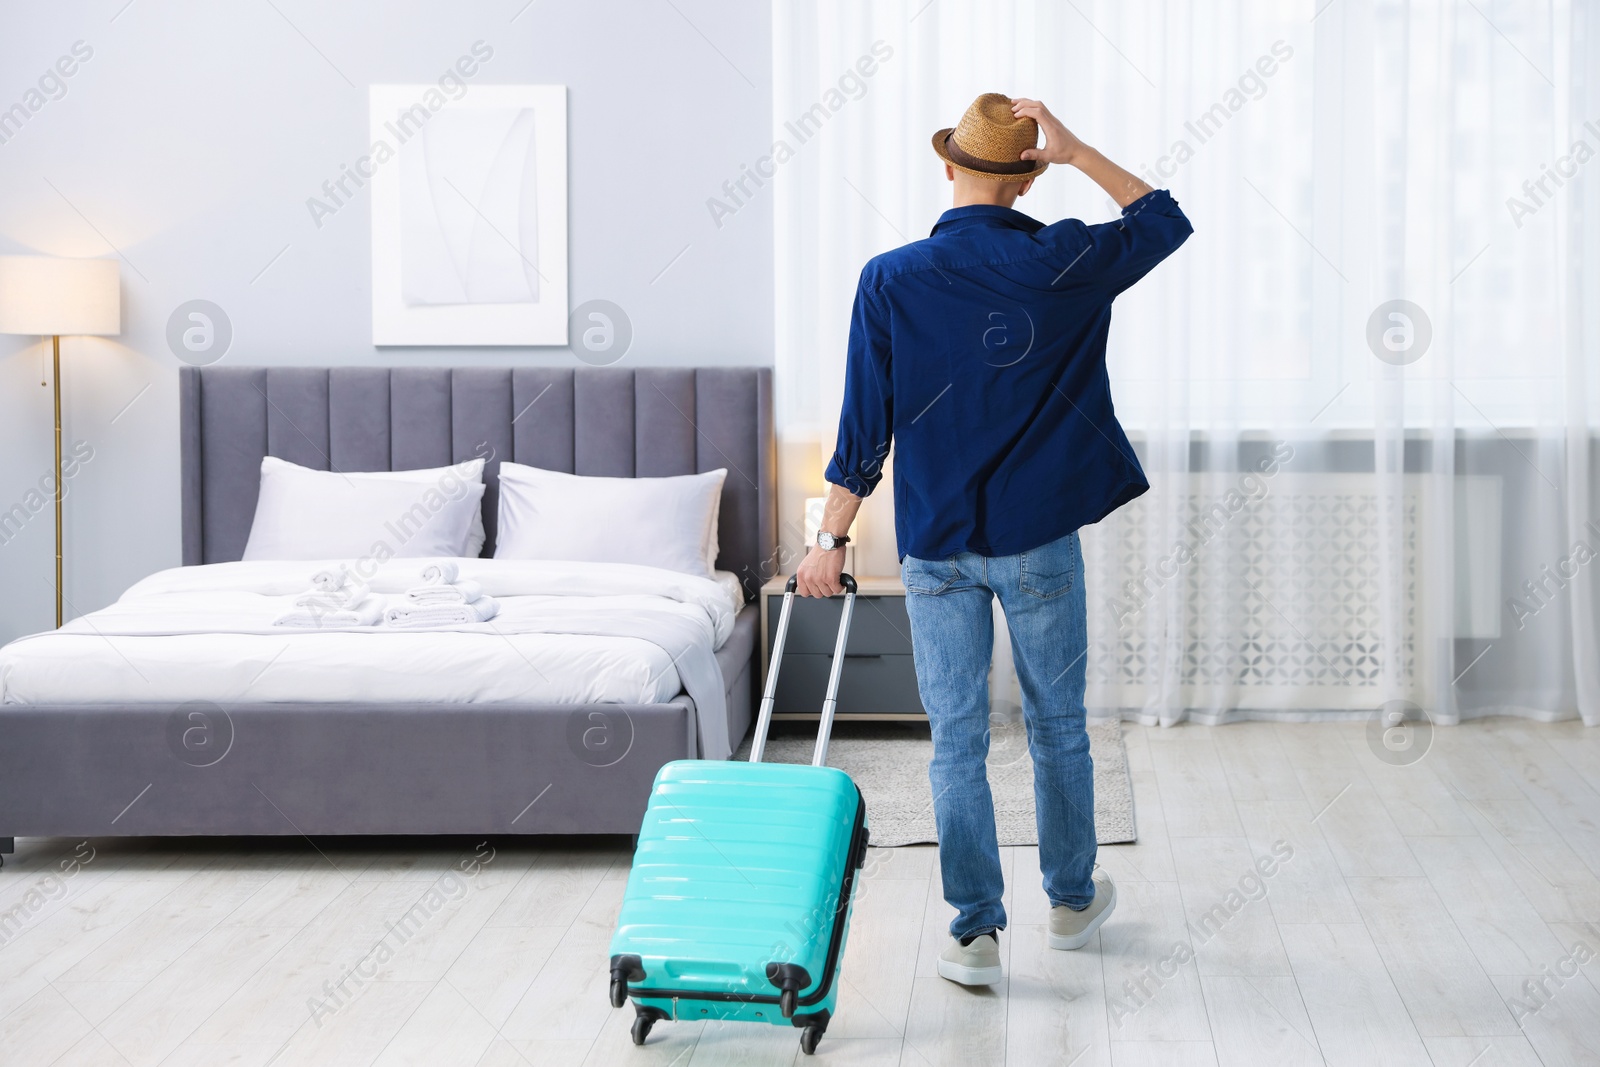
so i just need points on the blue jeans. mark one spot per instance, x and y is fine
(952, 636)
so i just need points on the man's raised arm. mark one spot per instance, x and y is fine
(1061, 145)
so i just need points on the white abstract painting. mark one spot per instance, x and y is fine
(469, 217)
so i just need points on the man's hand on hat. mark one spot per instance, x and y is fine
(1061, 145)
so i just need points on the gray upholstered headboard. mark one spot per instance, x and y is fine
(647, 422)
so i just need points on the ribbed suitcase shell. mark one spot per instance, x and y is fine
(740, 865)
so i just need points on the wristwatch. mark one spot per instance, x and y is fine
(828, 542)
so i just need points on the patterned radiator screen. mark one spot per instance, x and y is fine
(1254, 593)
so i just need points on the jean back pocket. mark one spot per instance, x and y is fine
(928, 576)
(1052, 569)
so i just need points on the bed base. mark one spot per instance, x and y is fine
(309, 770)
(204, 769)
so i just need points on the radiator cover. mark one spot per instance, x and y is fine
(1278, 607)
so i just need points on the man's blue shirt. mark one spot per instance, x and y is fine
(980, 353)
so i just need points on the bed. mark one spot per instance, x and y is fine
(266, 760)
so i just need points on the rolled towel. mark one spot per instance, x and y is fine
(417, 617)
(365, 612)
(336, 599)
(442, 573)
(463, 592)
(329, 581)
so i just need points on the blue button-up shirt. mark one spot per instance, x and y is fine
(981, 354)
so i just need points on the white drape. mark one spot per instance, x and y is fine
(1354, 500)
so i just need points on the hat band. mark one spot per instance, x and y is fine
(966, 159)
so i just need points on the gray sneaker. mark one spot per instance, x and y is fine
(1072, 929)
(974, 964)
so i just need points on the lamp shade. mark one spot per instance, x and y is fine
(42, 296)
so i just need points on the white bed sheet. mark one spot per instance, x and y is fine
(730, 585)
(413, 667)
(566, 633)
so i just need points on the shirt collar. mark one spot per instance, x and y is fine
(986, 215)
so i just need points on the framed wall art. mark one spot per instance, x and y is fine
(469, 214)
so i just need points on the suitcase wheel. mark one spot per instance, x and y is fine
(624, 969)
(790, 978)
(642, 1024)
(809, 1038)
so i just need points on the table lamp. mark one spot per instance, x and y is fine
(48, 297)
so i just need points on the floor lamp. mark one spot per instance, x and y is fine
(47, 297)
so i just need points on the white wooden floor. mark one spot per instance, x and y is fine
(1416, 904)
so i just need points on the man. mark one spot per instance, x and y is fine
(980, 352)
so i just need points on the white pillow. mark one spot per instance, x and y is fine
(659, 522)
(470, 471)
(311, 514)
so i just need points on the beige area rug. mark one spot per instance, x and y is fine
(889, 762)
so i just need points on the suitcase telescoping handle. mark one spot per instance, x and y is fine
(830, 701)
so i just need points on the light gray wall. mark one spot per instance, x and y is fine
(190, 141)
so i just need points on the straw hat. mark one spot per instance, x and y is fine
(989, 141)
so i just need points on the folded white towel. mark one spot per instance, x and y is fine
(464, 592)
(336, 599)
(417, 617)
(365, 612)
(440, 573)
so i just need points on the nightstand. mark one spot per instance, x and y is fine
(879, 679)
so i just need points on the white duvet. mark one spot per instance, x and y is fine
(566, 633)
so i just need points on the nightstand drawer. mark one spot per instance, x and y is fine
(878, 628)
(870, 685)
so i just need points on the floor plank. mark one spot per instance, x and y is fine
(1363, 837)
(1539, 860)
(1163, 1054)
(1057, 1013)
(880, 959)
(43, 1027)
(1441, 982)
(1562, 795)
(1149, 859)
(1193, 785)
(1482, 1052)
(1355, 1010)
(446, 1030)
(1152, 984)
(1416, 798)
(1225, 905)
(1559, 1017)
(1260, 1021)
(163, 1012)
(953, 1026)
(1307, 885)
(1499, 924)
(1256, 766)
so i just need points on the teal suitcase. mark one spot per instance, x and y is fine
(738, 904)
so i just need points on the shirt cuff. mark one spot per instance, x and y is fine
(860, 478)
(1158, 200)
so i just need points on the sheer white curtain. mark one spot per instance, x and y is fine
(1365, 391)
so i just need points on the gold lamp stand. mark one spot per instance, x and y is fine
(61, 488)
